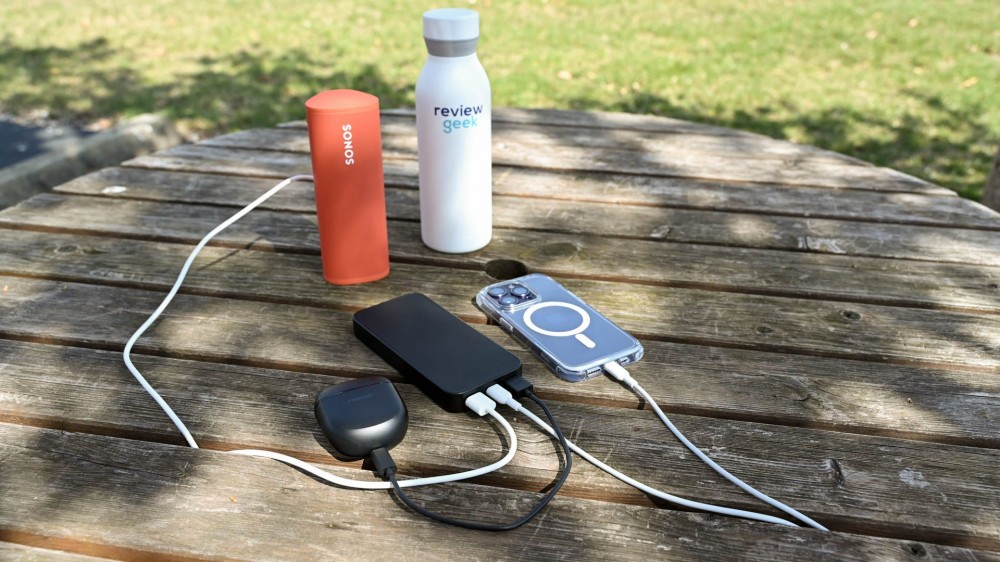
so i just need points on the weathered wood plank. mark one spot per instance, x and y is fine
(799, 274)
(950, 245)
(400, 134)
(171, 501)
(745, 270)
(630, 131)
(951, 406)
(811, 327)
(791, 170)
(619, 189)
(595, 119)
(738, 230)
(924, 285)
(291, 232)
(841, 479)
(23, 553)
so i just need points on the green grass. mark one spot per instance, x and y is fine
(910, 85)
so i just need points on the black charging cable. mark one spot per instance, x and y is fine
(386, 469)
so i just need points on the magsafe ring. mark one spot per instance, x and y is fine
(578, 331)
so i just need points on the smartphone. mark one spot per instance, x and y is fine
(567, 334)
(434, 349)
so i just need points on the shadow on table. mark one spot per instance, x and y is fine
(947, 145)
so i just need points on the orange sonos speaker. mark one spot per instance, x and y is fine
(345, 139)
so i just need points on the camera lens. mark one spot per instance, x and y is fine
(508, 300)
(519, 291)
(496, 292)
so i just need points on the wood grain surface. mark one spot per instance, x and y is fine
(827, 330)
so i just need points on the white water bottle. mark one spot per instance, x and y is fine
(454, 136)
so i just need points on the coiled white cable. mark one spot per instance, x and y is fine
(479, 407)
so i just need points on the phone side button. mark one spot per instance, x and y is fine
(506, 325)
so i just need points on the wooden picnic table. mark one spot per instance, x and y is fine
(826, 329)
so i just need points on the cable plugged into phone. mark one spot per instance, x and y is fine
(504, 397)
(620, 374)
(576, 342)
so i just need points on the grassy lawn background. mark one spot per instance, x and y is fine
(910, 85)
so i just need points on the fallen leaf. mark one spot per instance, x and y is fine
(969, 82)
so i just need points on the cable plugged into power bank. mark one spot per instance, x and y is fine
(518, 386)
(622, 375)
(452, 363)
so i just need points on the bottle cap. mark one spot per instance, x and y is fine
(451, 24)
(342, 101)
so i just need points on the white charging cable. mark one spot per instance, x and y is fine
(477, 402)
(502, 396)
(622, 375)
(385, 485)
(173, 291)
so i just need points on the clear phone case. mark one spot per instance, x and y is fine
(567, 334)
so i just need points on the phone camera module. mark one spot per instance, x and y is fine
(519, 291)
(511, 295)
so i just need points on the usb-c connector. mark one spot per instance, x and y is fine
(480, 404)
(518, 386)
(500, 395)
(619, 373)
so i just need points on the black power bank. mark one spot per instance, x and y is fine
(442, 355)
